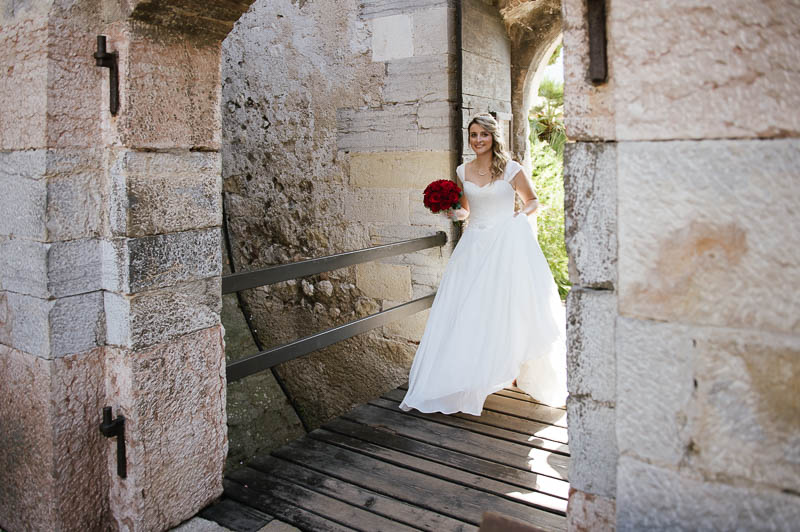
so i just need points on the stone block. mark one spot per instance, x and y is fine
(77, 194)
(703, 232)
(593, 446)
(392, 128)
(591, 355)
(385, 8)
(23, 203)
(590, 201)
(24, 63)
(156, 193)
(399, 169)
(156, 316)
(50, 445)
(484, 33)
(432, 31)
(173, 398)
(23, 267)
(588, 108)
(170, 93)
(410, 328)
(52, 328)
(654, 498)
(75, 267)
(164, 260)
(427, 78)
(721, 401)
(384, 281)
(744, 53)
(587, 511)
(377, 206)
(487, 78)
(392, 37)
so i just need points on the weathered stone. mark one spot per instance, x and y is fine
(426, 78)
(198, 524)
(76, 206)
(588, 108)
(391, 37)
(23, 267)
(52, 328)
(169, 95)
(410, 328)
(156, 193)
(590, 202)
(432, 32)
(156, 316)
(24, 63)
(50, 445)
(483, 32)
(698, 247)
(378, 206)
(746, 53)
(74, 267)
(392, 127)
(164, 260)
(720, 401)
(384, 281)
(653, 498)
(490, 79)
(593, 446)
(23, 203)
(591, 356)
(173, 398)
(385, 8)
(588, 512)
(399, 169)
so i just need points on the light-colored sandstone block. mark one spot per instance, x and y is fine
(721, 401)
(52, 328)
(652, 498)
(746, 52)
(385, 8)
(23, 267)
(74, 267)
(484, 33)
(384, 281)
(593, 446)
(431, 31)
(590, 203)
(411, 327)
(393, 128)
(392, 37)
(23, 203)
(586, 511)
(155, 316)
(399, 169)
(50, 445)
(384, 206)
(703, 232)
(173, 398)
(157, 193)
(588, 108)
(591, 356)
(487, 78)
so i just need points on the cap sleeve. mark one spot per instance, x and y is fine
(460, 172)
(512, 167)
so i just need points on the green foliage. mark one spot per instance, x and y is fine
(556, 53)
(547, 118)
(548, 182)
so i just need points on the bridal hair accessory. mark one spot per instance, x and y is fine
(442, 195)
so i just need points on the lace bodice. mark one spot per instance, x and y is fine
(492, 202)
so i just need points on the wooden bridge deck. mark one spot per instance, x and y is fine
(378, 468)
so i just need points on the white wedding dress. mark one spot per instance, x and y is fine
(497, 315)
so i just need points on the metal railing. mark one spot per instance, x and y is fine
(271, 357)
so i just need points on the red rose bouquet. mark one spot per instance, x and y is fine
(442, 195)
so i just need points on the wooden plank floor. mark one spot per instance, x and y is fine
(378, 468)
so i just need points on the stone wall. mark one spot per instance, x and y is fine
(683, 343)
(335, 116)
(109, 265)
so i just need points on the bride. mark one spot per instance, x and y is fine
(497, 315)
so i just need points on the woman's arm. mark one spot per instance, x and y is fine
(523, 187)
(462, 213)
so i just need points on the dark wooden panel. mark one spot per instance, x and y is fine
(235, 516)
(493, 424)
(447, 465)
(293, 515)
(513, 454)
(374, 502)
(410, 486)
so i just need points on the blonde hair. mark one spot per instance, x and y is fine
(499, 154)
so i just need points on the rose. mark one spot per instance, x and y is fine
(441, 195)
